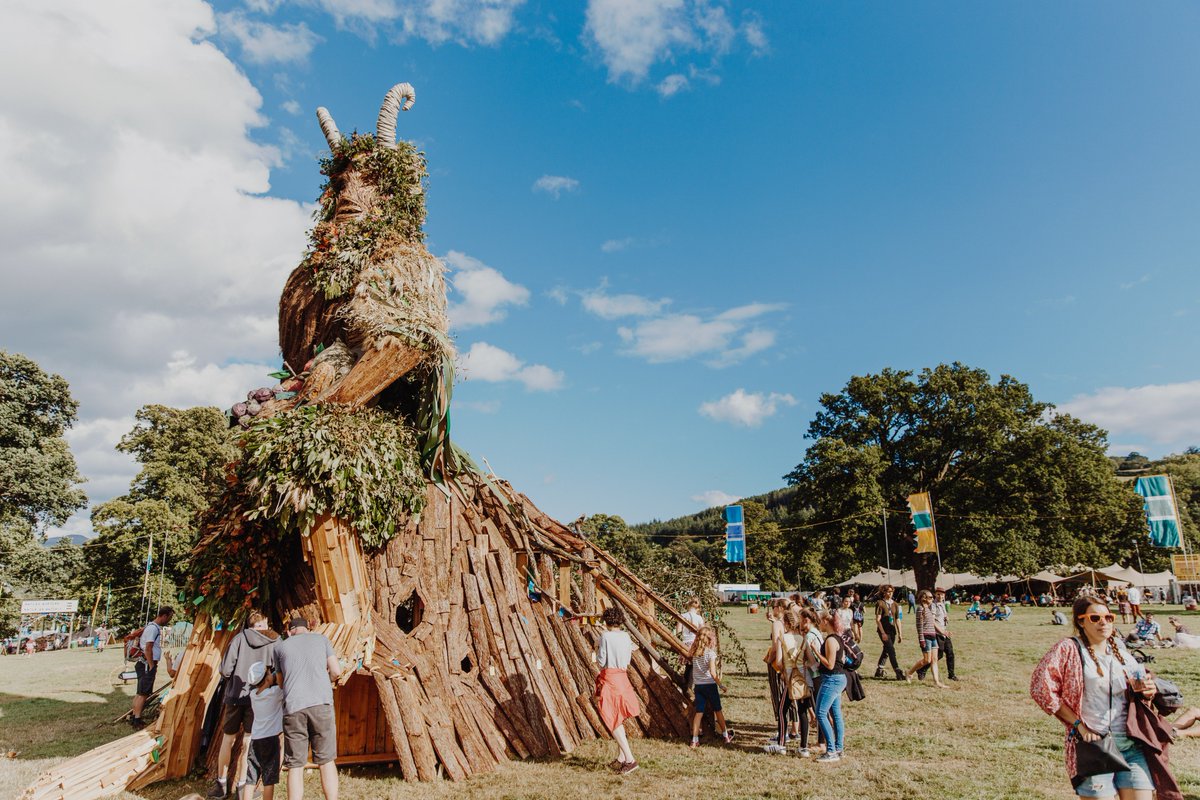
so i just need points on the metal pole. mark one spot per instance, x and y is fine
(107, 605)
(1138, 550)
(146, 580)
(887, 555)
(162, 576)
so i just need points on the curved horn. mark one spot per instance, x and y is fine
(329, 127)
(385, 128)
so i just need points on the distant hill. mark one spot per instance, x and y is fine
(73, 538)
(711, 521)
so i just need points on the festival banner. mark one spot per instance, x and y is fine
(735, 535)
(1160, 509)
(1186, 567)
(921, 508)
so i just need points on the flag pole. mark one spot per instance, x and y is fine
(1178, 519)
(887, 555)
(937, 546)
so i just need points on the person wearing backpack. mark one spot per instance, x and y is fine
(831, 665)
(149, 649)
(255, 643)
(793, 686)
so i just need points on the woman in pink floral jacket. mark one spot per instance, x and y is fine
(1088, 696)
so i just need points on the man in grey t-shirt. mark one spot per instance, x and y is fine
(308, 667)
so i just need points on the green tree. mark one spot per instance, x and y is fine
(611, 533)
(1015, 486)
(183, 453)
(38, 477)
(38, 481)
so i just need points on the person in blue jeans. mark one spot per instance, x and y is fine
(831, 665)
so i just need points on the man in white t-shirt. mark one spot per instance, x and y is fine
(1135, 601)
(693, 616)
(147, 666)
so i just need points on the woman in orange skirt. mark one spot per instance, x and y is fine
(615, 697)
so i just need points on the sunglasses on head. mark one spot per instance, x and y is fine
(1098, 617)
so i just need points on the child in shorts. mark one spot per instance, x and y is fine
(265, 757)
(706, 677)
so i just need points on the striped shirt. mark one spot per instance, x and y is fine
(925, 621)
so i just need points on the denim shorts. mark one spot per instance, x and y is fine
(1138, 776)
(708, 697)
(928, 643)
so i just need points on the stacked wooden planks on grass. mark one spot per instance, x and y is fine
(101, 772)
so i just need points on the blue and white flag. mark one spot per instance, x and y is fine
(735, 535)
(1160, 509)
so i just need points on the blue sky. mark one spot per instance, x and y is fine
(671, 225)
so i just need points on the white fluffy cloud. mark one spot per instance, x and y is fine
(722, 340)
(436, 21)
(617, 245)
(672, 84)
(485, 293)
(615, 306)
(555, 185)
(746, 408)
(715, 497)
(634, 35)
(133, 219)
(1165, 414)
(263, 43)
(485, 362)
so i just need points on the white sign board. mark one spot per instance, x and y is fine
(49, 606)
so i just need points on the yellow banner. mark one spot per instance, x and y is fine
(926, 541)
(1186, 568)
(919, 503)
(921, 508)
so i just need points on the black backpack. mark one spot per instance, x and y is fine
(852, 654)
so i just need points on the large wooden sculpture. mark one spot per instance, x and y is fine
(466, 621)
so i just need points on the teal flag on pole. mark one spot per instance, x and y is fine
(1160, 509)
(735, 535)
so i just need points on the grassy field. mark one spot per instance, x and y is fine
(981, 739)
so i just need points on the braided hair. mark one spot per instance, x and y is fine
(1078, 610)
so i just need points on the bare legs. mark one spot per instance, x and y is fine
(928, 659)
(329, 782)
(624, 754)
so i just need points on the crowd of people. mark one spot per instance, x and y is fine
(275, 688)
(278, 691)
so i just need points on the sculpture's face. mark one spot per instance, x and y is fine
(355, 198)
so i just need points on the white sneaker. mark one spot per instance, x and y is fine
(804, 752)
(775, 749)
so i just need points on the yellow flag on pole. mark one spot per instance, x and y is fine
(921, 508)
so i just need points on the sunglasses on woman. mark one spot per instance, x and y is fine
(1097, 617)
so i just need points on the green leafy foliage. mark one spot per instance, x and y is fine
(182, 453)
(38, 476)
(674, 571)
(339, 250)
(1015, 486)
(360, 466)
(38, 484)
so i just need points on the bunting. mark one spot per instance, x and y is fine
(1160, 509)
(921, 508)
(735, 535)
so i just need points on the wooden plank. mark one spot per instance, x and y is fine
(399, 739)
(379, 368)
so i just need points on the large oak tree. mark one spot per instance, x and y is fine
(1015, 485)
